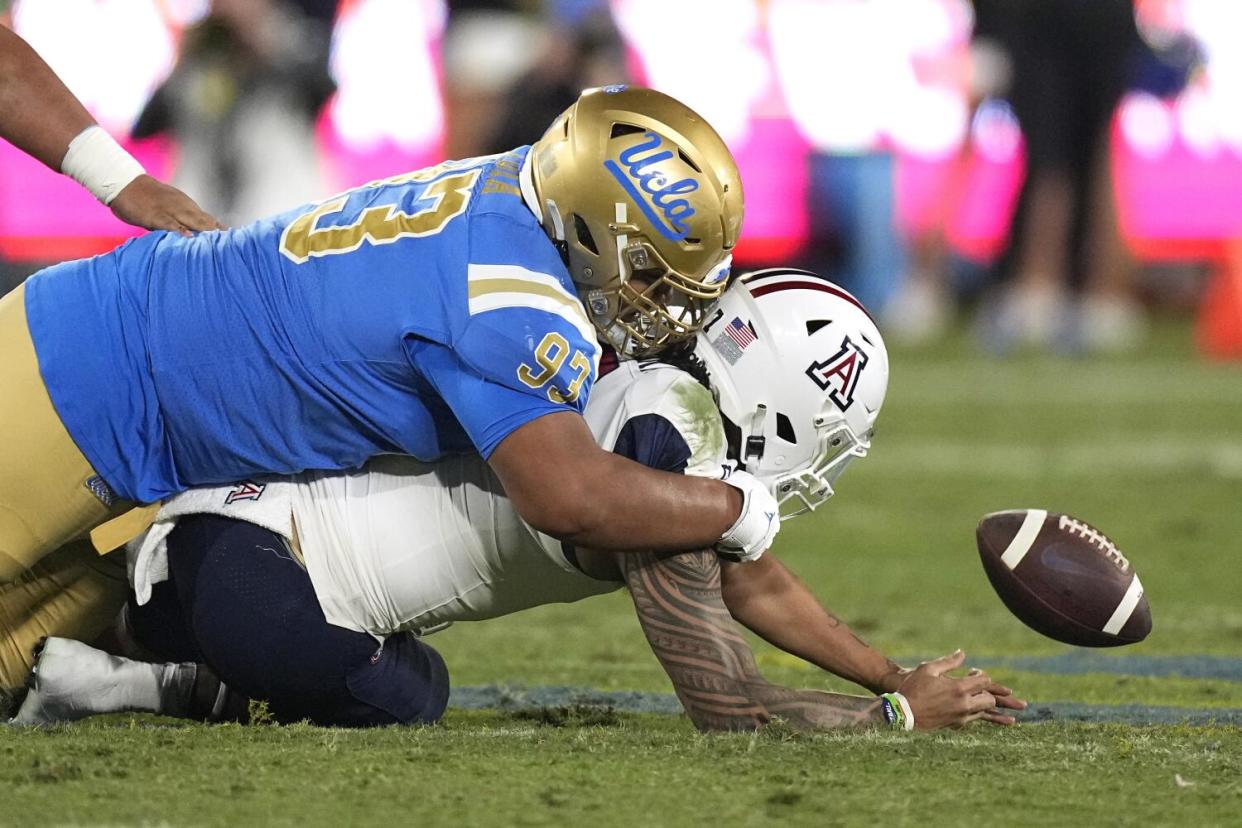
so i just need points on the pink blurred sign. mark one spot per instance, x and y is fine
(779, 79)
(45, 216)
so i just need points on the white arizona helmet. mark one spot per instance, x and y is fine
(800, 372)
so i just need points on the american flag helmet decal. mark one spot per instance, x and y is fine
(742, 333)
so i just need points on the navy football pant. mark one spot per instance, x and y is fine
(240, 603)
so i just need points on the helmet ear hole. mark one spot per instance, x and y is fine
(784, 429)
(584, 234)
(621, 130)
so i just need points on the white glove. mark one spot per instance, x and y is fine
(752, 533)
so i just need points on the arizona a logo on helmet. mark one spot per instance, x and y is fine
(838, 375)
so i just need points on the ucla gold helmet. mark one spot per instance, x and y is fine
(647, 201)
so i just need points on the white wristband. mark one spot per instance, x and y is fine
(908, 722)
(97, 162)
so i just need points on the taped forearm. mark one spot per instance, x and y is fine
(97, 162)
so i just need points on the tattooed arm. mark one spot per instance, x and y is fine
(775, 605)
(681, 610)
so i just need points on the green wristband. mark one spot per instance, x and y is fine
(894, 714)
(903, 716)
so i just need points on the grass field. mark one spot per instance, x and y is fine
(1147, 447)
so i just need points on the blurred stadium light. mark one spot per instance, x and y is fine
(388, 114)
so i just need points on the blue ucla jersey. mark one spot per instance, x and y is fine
(424, 314)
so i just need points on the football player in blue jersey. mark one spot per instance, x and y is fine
(451, 309)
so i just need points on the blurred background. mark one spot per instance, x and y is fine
(1047, 175)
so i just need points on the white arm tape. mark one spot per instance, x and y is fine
(97, 162)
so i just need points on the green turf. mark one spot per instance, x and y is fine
(629, 770)
(1147, 447)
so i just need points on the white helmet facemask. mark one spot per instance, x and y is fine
(806, 490)
(800, 372)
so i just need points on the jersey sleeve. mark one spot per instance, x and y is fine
(673, 424)
(522, 345)
(487, 411)
(529, 334)
(526, 328)
(655, 442)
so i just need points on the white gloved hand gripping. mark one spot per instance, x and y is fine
(752, 533)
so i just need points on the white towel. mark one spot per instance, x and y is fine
(263, 503)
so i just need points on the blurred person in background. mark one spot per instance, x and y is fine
(40, 116)
(242, 102)
(922, 310)
(848, 78)
(582, 50)
(510, 67)
(873, 87)
(1064, 278)
(488, 45)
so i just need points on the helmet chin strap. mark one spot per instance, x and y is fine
(597, 303)
(620, 339)
(755, 441)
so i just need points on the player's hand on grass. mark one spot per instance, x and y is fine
(940, 700)
(152, 204)
(1004, 699)
(893, 681)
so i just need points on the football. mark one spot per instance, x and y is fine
(1063, 578)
